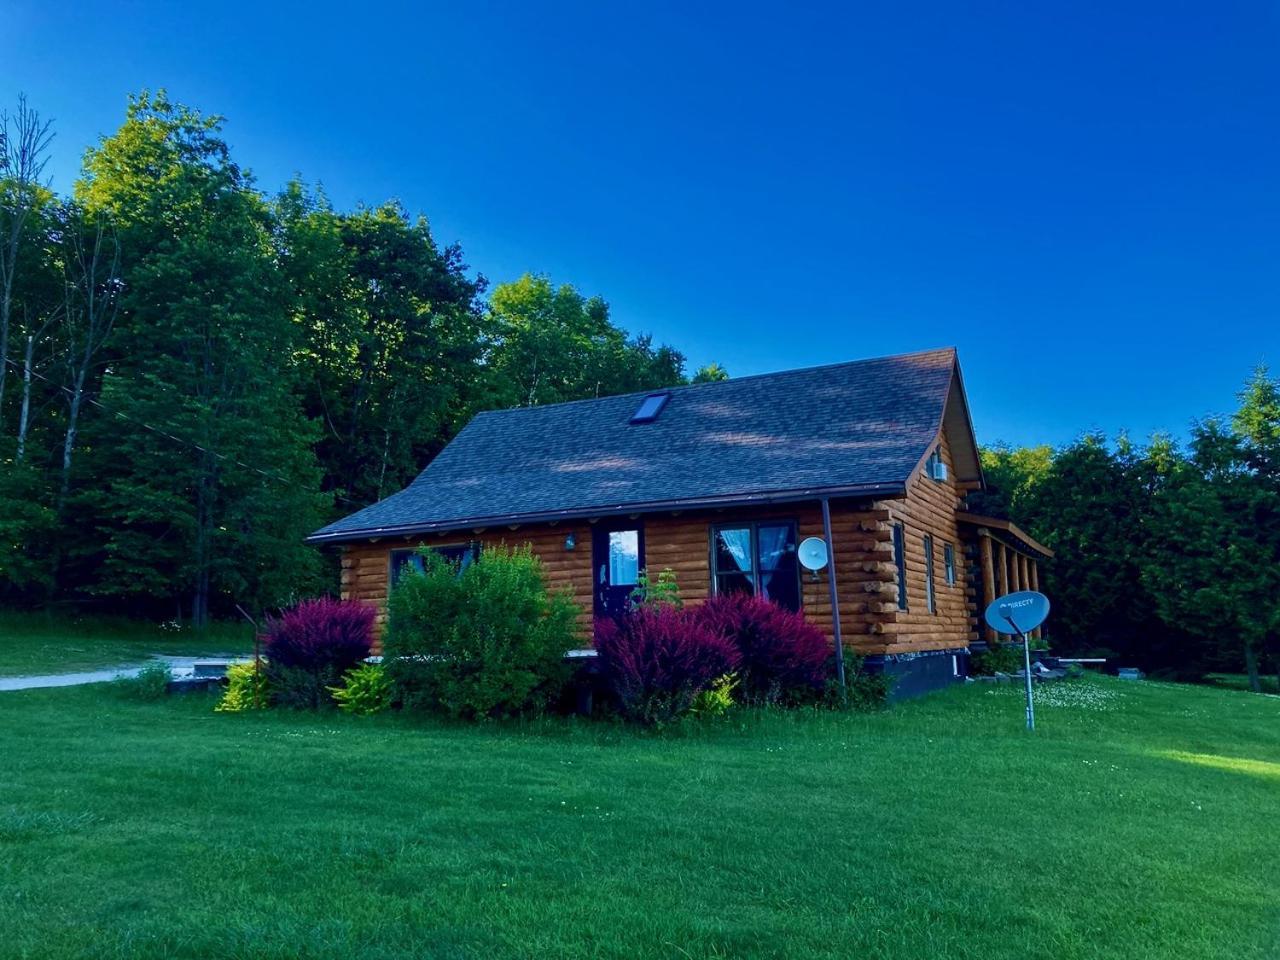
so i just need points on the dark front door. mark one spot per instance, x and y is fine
(617, 554)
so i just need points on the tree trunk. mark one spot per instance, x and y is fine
(69, 438)
(1251, 667)
(5, 301)
(24, 416)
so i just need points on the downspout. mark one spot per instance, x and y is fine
(831, 589)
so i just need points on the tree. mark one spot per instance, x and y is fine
(711, 373)
(1213, 562)
(205, 483)
(554, 344)
(24, 146)
(92, 290)
(392, 337)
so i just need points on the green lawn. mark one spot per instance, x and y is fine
(1240, 681)
(37, 643)
(1138, 822)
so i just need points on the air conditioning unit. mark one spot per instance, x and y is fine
(938, 470)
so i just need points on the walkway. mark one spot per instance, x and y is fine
(178, 666)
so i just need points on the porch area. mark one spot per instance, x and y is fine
(1002, 559)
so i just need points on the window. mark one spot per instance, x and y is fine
(934, 467)
(949, 563)
(462, 555)
(757, 558)
(929, 599)
(624, 558)
(900, 561)
(650, 407)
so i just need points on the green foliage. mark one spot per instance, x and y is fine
(554, 344)
(1214, 561)
(663, 590)
(997, 658)
(864, 691)
(204, 342)
(487, 641)
(273, 362)
(302, 688)
(365, 690)
(150, 683)
(717, 699)
(247, 688)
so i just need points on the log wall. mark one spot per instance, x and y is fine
(930, 507)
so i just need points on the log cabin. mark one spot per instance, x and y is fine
(720, 483)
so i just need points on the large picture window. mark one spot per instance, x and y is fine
(461, 555)
(758, 558)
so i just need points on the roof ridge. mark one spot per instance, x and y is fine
(716, 383)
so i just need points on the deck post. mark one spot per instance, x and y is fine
(1002, 561)
(1015, 571)
(988, 576)
(831, 589)
(1033, 573)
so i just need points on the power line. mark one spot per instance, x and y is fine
(166, 434)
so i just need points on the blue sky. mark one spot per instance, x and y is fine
(1084, 198)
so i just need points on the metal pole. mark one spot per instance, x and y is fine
(831, 589)
(1026, 659)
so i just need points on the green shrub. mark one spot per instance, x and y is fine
(247, 688)
(150, 683)
(863, 690)
(997, 658)
(485, 641)
(663, 590)
(366, 689)
(717, 699)
(301, 688)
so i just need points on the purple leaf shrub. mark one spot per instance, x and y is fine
(321, 635)
(657, 659)
(785, 658)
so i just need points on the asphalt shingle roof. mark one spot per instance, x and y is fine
(859, 427)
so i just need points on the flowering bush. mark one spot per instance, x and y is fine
(657, 659)
(311, 646)
(784, 657)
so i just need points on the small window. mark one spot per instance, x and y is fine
(949, 562)
(758, 558)
(624, 558)
(650, 407)
(900, 561)
(461, 555)
(930, 600)
(934, 467)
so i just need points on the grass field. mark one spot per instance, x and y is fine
(1138, 822)
(39, 643)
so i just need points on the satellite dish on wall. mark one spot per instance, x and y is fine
(813, 553)
(1016, 613)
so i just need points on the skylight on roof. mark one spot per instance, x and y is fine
(650, 407)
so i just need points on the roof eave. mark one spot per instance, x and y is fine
(890, 489)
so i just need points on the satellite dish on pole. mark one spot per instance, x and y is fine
(1017, 614)
(813, 553)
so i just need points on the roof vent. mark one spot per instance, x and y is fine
(650, 407)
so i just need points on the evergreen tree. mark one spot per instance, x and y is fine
(205, 483)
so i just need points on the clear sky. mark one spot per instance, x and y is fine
(1083, 197)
